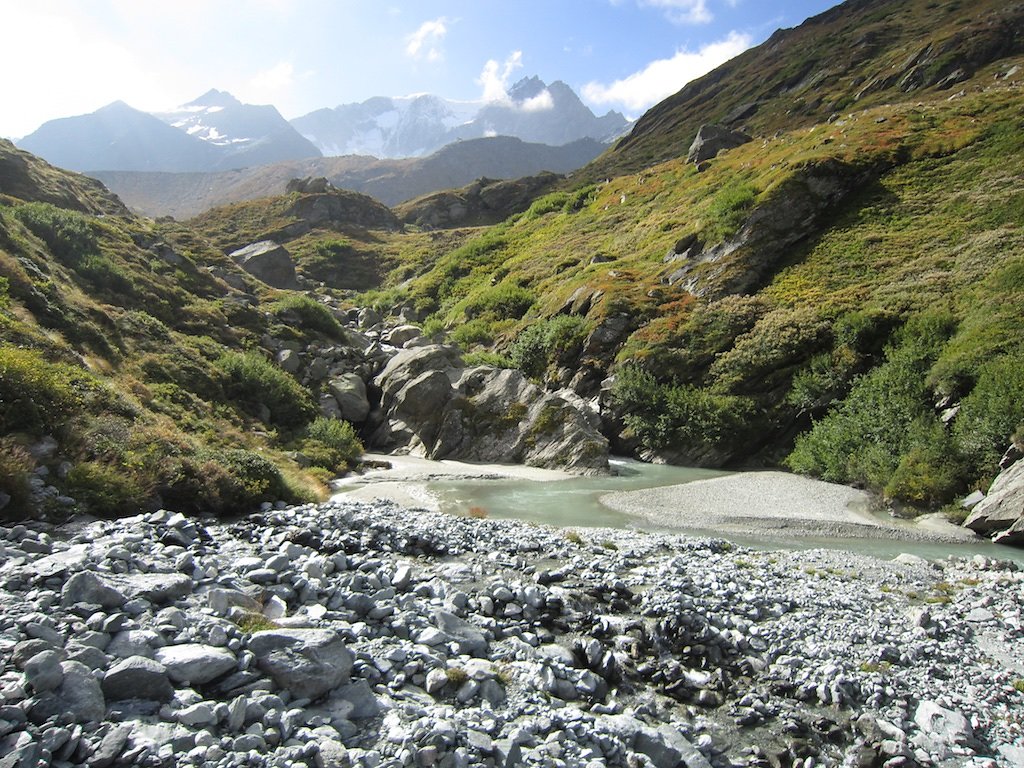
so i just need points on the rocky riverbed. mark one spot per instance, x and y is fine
(364, 634)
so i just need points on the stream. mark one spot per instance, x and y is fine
(575, 503)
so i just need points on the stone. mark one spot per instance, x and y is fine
(78, 696)
(712, 139)
(137, 677)
(153, 587)
(111, 746)
(470, 638)
(87, 587)
(349, 392)
(194, 663)
(221, 601)
(288, 360)
(436, 680)
(43, 671)
(360, 700)
(946, 725)
(1002, 509)
(306, 662)
(268, 262)
(403, 334)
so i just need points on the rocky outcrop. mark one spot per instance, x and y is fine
(485, 201)
(432, 405)
(712, 139)
(1001, 513)
(741, 263)
(267, 261)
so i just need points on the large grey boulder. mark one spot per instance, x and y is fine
(436, 407)
(1001, 512)
(87, 587)
(195, 663)
(268, 262)
(349, 392)
(78, 696)
(137, 677)
(712, 139)
(306, 662)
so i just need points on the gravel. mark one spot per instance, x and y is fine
(366, 634)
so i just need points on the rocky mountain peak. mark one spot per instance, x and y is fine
(214, 98)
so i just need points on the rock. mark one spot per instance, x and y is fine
(469, 637)
(288, 360)
(402, 334)
(948, 726)
(1002, 509)
(349, 392)
(137, 677)
(360, 700)
(712, 139)
(153, 587)
(309, 185)
(268, 262)
(87, 587)
(79, 696)
(195, 664)
(221, 601)
(111, 746)
(306, 662)
(43, 671)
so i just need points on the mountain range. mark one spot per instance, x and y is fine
(217, 132)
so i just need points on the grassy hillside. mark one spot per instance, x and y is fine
(130, 376)
(842, 294)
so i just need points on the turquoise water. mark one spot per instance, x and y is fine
(574, 503)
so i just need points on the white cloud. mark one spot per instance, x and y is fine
(495, 77)
(425, 42)
(277, 78)
(682, 11)
(663, 77)
(539, 103)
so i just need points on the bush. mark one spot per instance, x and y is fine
(546, 342)
(679, 417)
(35, 396)
(727, 210)
(331, 444)
(991, 413)
(16, 465)
(68, 234)
(103, 489)
(503, 301)
(311, 313)
(252, 381)
(931, 473)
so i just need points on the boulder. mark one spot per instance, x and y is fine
(435, 406)
(194, 663)
(349, 392)
(399, 336)
(267, 261)
(1001, 512)
(137, 677)
(78, 696)
(712, 139)
(87, 587)
(306, 662)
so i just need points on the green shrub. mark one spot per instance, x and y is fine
(311, 313)
(36, 396)
(103, 273)
(16, 465)
(887, 414)
(991, 414)
(104, 489)
(222, 481)
(331, 444)
(252, 381)
(68, 234)
(503, 301)
(931, 473)
(727, 210)
(546, 342)
(483, 357)
(680, 417)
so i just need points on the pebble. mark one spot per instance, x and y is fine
(366, 635)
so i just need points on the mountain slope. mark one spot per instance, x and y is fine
(842, 293)
(390, 181)
(857, 55)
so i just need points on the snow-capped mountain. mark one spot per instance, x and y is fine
(414, 126)
(247, 134)
(214, 132)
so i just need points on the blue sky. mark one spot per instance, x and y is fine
(68, 57)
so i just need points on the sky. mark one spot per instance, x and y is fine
(71, 57)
